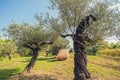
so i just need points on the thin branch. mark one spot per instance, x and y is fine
(67, 35)
(45, 42)
(28, 46)
(74, 20)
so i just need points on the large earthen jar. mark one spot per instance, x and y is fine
(62, 54)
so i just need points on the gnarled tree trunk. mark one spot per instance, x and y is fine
(9, 56)
(80, 60)
(32, 61)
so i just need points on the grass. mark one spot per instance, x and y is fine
(104, 68)
(48, 68)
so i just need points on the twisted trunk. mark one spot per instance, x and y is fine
(32, 61)
(35, 54)
(80, 60)
(9, 56)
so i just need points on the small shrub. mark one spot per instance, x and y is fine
(109, 52)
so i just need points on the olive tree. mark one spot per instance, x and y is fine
(32, 37)
(1, 46)
(76, 19)
(9, 48)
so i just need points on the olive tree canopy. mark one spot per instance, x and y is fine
(71, 12)
(32, 37)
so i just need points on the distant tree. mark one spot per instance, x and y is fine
(22, 51)
(9, 48)
(104, 45)
(59, 43)
(32, 37)
(1, 46)
(1, 40)
(96, 45)
(114, 45)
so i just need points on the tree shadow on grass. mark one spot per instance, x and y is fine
(33, 77)
(117, 67)
(24, 61)
(52, 60)
(48, 59)
(14, 74)
(6, 73)
(116, 58)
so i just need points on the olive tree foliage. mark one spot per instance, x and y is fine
(118, 30)
(1, 46)
(28, 36)
(71, 12)
(9, 49)
(118, 33)
(59, 43)
(114, 45)
(22, 51)
(32, 37)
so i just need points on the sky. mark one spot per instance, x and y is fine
(22, 11)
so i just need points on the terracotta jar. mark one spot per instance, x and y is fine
(62, 54)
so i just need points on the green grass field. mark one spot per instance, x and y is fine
(48, 68)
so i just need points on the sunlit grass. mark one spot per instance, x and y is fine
(104, 68)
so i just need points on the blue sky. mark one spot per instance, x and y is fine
(22, 11)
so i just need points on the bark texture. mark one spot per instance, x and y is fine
(35, 50)
(80, 60)
(32, 61)
(9, 56)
